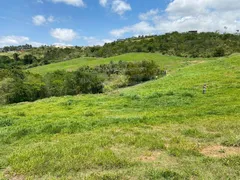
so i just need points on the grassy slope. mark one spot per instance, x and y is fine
(155, 130)
(168, 62)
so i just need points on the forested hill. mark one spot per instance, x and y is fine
(190, 44)
(178, 44)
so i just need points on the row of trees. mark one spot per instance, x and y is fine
(18, 86)
(16, 48)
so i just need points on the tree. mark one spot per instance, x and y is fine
(16, 57)
(29, 59)
(88, 82)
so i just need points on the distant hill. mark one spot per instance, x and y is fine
(188, 44)
(179, 44)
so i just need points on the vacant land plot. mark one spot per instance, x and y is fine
(162, 129)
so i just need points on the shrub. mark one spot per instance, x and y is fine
(87, 82)
(141, 71)
(218, 52)
(54, 83)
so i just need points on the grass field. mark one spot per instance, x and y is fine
(162, 129)
(165, 62)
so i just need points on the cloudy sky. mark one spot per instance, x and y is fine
(94, 22)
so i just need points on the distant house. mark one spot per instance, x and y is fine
(193, 32)
(1, 49)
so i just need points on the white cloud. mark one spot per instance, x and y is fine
(13, 40)
(62, 45)
(185, 15)
(103, 2)
(63, 34)
(186, 7)
(17, 40)
(39, 20)
(92, 41)
(77, 3)
(117, 6)
(202, 15)
(148, 15)
(120, 7)
(36, 44)
(142, 27)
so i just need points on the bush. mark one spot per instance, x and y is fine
(219, 52)
(54, 83)
(19, 87)
(115, 81)
(87, 82)
(142, 71)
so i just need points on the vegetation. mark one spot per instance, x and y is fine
(178, 44)
(161, 129)
(188, 44)
(16, 48)
(169, 63)
(17, 86)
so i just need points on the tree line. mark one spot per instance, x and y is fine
(16, 48)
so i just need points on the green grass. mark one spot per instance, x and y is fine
(154, 130)
(165, 62)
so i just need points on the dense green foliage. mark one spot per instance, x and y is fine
(161, 129)
(28, 60)
(17, 86)
(178, 44)
(5, 62)
(16, 48)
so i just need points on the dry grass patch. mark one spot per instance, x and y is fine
(198, 62)
(219, 151)
(150, 156)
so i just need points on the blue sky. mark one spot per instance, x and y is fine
(93, 22)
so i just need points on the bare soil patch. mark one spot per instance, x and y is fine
(14, 176)
(219, 151)
(152, 156)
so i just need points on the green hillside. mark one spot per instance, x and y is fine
(162, 129)
(167, 62)
(186, 45)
